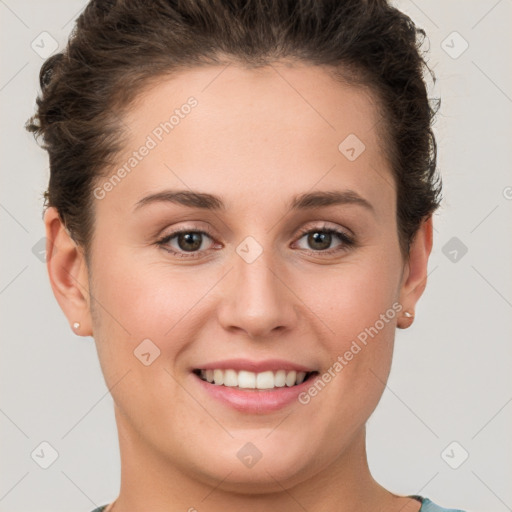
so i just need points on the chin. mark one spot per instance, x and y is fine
(259, 467)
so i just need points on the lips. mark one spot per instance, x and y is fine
(256, 366)
(254, 386)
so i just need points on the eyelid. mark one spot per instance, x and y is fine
(326, 226)
(206, 229)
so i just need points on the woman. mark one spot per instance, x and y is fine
(240, 213)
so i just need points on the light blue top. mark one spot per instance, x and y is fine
(430, 506)
(426, 506)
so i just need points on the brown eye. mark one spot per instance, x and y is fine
(190, 241)
(184, 241)
(319, 240)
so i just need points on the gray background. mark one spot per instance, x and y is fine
(450, 380)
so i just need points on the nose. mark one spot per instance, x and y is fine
(257, 300)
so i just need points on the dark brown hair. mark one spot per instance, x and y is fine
(119, 47)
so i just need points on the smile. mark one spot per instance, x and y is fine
(244, 379)
(254, 387)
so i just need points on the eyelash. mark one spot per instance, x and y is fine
(347, 241)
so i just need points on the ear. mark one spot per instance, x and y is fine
(414, 278)
(68, 273)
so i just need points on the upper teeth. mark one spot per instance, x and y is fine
(251, 380)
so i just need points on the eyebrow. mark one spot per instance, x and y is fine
(304, 201)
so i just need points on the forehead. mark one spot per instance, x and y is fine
(249, 129)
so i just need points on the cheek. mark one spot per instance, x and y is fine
(138, 301)
(144, 299)
(145, 317)
(358, 303)
(352, 297)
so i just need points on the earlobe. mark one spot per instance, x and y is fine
(415, 276)
(68, 273)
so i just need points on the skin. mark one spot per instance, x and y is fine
(254, 142)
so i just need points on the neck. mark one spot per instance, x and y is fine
(151, 482)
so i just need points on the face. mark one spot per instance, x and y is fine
(288, 261)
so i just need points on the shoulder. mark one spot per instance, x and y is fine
(429, 506)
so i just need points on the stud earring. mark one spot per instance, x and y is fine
(76, 326)
(406, 320)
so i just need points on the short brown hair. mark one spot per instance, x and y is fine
(118, 47)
